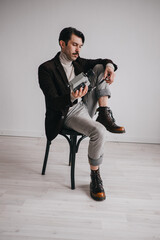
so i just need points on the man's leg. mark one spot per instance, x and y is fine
(101, 93)
(80, 120)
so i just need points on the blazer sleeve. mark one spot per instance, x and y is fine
(90, 63)
(46, 81)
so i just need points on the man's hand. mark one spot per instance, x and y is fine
(109, 75)
(80, 93)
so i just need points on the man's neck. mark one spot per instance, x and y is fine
(64, 59)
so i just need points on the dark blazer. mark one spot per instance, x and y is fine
(54, 84)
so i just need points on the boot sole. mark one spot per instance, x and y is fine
(116, 131)
(108, 129)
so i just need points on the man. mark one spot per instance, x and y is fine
(76, 109)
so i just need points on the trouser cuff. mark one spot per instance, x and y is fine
(103, 92)
(95, 162)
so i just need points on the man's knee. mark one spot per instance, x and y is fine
(98, 132)
(98, 69)
(101, 132)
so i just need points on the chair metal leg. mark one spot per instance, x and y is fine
(46, 157)
(73, 156)
(79, 141)
(70, 157)
(70, 150)
(77, 146)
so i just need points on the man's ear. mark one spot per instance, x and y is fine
(62, 44)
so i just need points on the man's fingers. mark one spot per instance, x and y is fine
(75, 94)
(109, 81)
(110, 78)
(81, 92)
(105, 74)
(85, 90)
(109, 75)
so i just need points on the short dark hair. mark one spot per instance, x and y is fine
(66, 33)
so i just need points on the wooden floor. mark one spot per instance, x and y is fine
(36, 207)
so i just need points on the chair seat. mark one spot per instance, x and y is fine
(69, 131)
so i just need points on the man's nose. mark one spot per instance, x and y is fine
(78, 49)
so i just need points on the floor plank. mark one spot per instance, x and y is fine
(34, 207)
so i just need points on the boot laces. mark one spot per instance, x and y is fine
(111, 114)
(97, 181)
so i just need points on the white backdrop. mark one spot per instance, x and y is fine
(128, 32)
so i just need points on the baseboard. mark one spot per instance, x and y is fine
(110, 137)
(18, 133)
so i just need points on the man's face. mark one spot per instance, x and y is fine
(73, 47)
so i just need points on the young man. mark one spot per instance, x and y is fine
(76, 109)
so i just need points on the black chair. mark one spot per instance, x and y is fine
(74, 143)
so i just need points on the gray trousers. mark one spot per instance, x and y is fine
(80, 116)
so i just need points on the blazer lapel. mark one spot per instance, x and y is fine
(60, 68)
(77, 68)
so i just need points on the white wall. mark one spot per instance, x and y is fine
(127, 32)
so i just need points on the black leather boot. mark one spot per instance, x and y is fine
(96, 186)
(105, 117)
